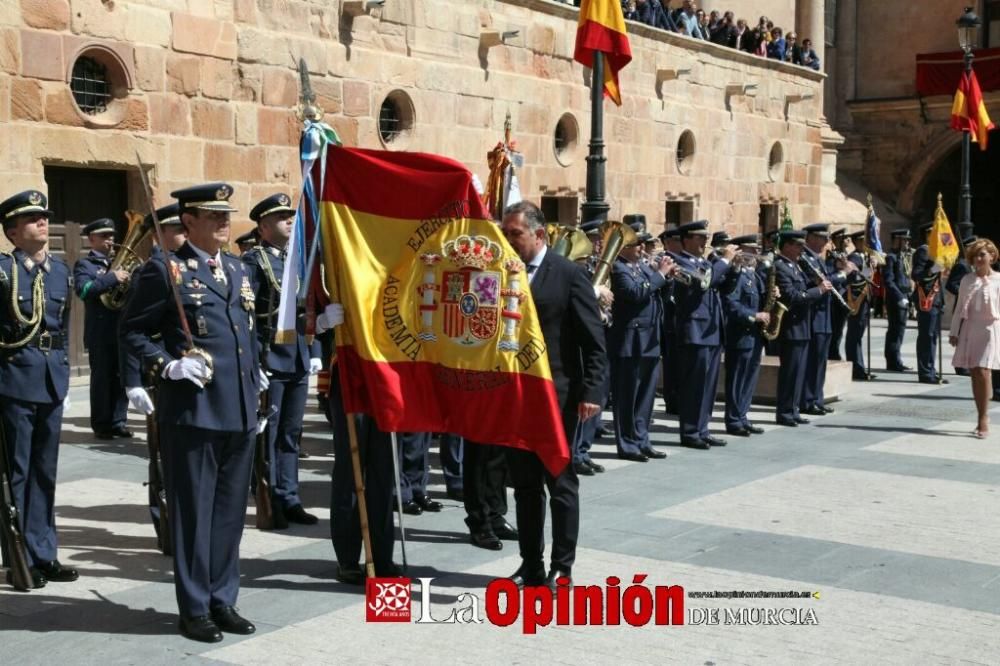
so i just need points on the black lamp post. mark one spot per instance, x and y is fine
(595, 208)
(968, 34)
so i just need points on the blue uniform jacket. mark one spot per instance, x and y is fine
(221, 319)
(822, 316)
(922, 274)
(798, 296)
(291, 358)
(92, 278)
(897, 283)
(698, 313)
(31, 373)
(637, 315)
(741, 304)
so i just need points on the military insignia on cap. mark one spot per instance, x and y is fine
(222, 193)
(35, 198)
(283, 200)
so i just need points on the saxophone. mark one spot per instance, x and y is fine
(773, 306)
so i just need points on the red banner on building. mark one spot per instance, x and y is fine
(939, 73)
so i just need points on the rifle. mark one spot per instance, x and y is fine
(157, 493)
(261, 460)
(15, 552)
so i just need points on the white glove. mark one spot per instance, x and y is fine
(332, 315)
(192, 368)
(315, 365)
(261, 424)
(139, 399)
(264, 381)
(67, 403)
(904, 303)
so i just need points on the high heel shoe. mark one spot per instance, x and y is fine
(980, 434)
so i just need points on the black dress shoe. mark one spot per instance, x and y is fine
(696, 444)
(753, 430)
(603, 432)
(653, 454)
(827, 410)
(412, 508)
(788, 424)
(552, 580)
(738, 432)
(350, 574)
(57, 573)
(634, 457)
(200, 628)
(582, 469)
(296, 514)
(714, 441)
(599, 469)
(486, 539)
(801, 421)
(814, 411)
(456, 494)
(303, 455)
(37, 579)
(505, 531)
(228, 620)
(388, 570)
(528, 577)
(427, 504)
(104, 434)
(121, 431)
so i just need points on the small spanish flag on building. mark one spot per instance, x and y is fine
(969, 111)
(602, 28)
(942, 246)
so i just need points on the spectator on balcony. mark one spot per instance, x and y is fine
(742, 38)
(777, 46)
(791, 46)
(688, 21)
(703, 24)
(805, 55)
(659, 16)
(724, 32)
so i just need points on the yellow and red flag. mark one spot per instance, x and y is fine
(942, 245)
(602, 28)
(440, 332)
(968, 112)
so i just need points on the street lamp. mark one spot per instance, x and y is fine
(968, 36)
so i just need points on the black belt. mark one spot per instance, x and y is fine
(47, 341)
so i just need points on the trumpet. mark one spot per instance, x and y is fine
(687, 277)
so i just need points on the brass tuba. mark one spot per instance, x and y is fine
(773, 306)
(568, 241)
(127, 258)
(614, 236)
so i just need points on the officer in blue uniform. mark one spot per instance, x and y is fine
(92, 276)
(700, 332)
(926, 276)
(414, 472)
(633, 344)
(838, 316)
(207, 404)
(744, 342)
(814, 267)
(288, 364)
(248, 241)
(798, 294)
(769, 250)
(35, 294)
(858, 294)
(898, 289)
(669, 350)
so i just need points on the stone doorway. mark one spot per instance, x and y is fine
(768, 218)
(678, 212)
(562, 209)
(946, 178)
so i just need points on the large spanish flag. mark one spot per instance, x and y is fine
(440, 332)
(602, 28)
(968, 112)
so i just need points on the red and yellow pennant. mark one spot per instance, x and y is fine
(602, 28)
(968, 112)
(440, 332)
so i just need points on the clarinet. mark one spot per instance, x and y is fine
(819, 277)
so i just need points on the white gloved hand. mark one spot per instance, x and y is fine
(139, 399)
(264, 381)
(904, 303)
(67, 403)
(315, 365)
(191, 368)
(332, 316)
(261, 424)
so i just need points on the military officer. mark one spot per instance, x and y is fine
(669, 350)
(768, 252)
(35, 294)
(899, 288)
(927, 278)
(634, 348)
(744, 344)
(838, 316)
(248, 241)
(796, 329)
(699, 330)
(92, 276)
(858, 295)
(208, 360)
(288, 364)
(814, 266)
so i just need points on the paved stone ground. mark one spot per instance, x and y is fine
(886, 508)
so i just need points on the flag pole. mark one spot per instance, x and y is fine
(394, 439)
(965, 191)
(359, 490)
(595, 208)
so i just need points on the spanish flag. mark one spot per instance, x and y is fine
(942, 245)
(602, 28)
(440, 332)
(968, 112)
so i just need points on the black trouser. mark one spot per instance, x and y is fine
(414, 450)
(928, 324)
(894, 336)
(838, 317)
(854, 345)
(485, 479)
(107, 396)
(791, 377)
(451, 451)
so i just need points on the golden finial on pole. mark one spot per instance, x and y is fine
(870, 205)
(507, 126)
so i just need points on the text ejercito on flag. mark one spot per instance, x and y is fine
(440, 331)
(602, 28)
(968, 111)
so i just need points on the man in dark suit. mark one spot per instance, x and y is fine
(35, 294)
(92, 277)
(744, 344)
(927, 280)
(289, 364)
(207, 404)
(571, 326)
(634, 348)
(796, 328)
(838, 316)
(898, 288)
(700, 332)
(858, 294)
(814, 266)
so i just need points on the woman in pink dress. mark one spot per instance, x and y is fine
(975, 326)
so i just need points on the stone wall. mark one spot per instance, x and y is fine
(212, 86)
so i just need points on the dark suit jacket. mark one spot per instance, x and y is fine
(897, 282)
(92, 278)
(742, 303)
(798, 296)
(571, 325)
(699, 313)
